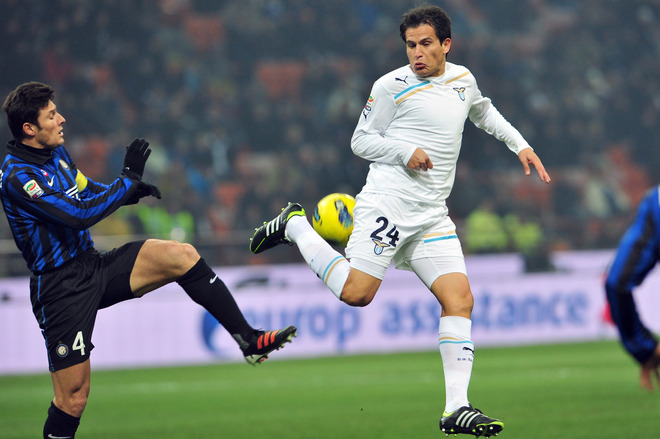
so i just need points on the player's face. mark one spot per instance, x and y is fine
(426, 53)
(48, 134)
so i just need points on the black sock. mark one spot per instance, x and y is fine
(60, 424)
(204, 287)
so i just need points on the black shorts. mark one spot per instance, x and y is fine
(65, 301)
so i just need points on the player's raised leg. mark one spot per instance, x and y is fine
(161, 261)
(291, 226)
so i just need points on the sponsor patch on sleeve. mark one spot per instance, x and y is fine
(368, 106)
(33, 189)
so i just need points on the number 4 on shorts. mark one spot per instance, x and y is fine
(79, 344)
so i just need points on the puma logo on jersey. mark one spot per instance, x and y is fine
(404, 80)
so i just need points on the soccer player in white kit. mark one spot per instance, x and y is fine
(411, 130)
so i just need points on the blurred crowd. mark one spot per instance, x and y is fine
(249, 104)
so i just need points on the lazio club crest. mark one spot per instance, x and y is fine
(461, 92)
(379, 246)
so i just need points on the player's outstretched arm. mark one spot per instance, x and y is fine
(528, 157)
(650, 371)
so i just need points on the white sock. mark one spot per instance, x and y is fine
(328, 264)
(457, 351)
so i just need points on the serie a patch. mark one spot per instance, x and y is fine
(369, 105)
(33, 189)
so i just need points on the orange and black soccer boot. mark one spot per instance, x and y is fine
(265, 342)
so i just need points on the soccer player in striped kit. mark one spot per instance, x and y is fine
(637, 254)
(50, 205)
(411, 130)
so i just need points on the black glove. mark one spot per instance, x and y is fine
(136, 157)
(143, 190)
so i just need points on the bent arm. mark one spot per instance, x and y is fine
(370, 140)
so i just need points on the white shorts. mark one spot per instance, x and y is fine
(413, 236)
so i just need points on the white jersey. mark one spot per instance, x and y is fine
(405, 112)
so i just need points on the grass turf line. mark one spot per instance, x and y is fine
(582, 390)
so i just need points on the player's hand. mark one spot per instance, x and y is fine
(143, 190)
(136, 157)
(528, 157)
(420, 161)
(650, 371)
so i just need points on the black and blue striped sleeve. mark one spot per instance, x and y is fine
(32, 194)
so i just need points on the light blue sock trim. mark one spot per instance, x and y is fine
(332, 263)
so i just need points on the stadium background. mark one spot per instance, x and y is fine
(250, 104)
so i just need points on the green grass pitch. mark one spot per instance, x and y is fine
(581, 390)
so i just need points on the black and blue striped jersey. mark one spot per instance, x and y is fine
(637, 254)
(50, 205)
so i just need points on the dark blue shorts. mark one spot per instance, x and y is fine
(65, 301)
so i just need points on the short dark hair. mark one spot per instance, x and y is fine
(23, 105)
(434, 16)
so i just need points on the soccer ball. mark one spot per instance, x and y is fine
(333, 218)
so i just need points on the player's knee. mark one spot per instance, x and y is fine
(74, 403)
(460, 305)
(181, 256)
(465, 308)
(187, 252)
(358, 290)
(354, 297)
(77, 405)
